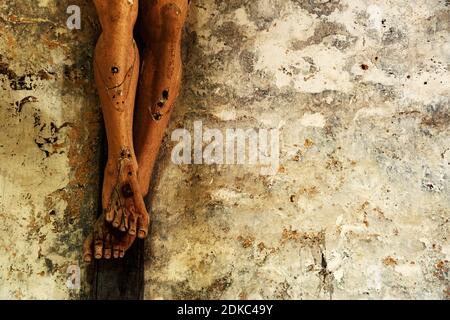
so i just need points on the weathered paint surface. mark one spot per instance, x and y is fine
(359, 207)
(49, 147)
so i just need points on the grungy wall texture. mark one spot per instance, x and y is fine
(358, 208)
(360, 205)
(49, 146)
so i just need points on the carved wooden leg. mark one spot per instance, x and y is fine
(161, 26)
(116, 71)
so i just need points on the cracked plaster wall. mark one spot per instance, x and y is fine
(360, 205)
(49, 147)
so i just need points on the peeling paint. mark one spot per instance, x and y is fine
(363, 170)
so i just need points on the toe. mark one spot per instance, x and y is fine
(143, 222)
(116, 250)
(107, 247)
(141, 211)
(98, 244)
(132, 217)
(98, 240)
(124, 221)
(109, 215)
(87, 248)
(118, 218)
(98, 249)
(133, 225)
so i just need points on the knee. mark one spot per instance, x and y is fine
(116, 13)
(172, 20)
(173, 15)
(163, 20)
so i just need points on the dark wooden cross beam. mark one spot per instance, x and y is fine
(118, 279)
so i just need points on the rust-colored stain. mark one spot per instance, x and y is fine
(247, 241)
(389, 261)
(308, 143)
(304, 238)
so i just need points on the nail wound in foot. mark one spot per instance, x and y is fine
(127, 192)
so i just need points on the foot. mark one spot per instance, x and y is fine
(122, 200)
(106, 242)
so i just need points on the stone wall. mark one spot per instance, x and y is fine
(360, 205)
(49, 146)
